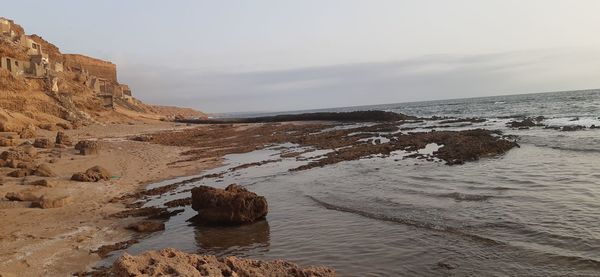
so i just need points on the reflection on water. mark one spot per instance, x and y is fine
(232, 240)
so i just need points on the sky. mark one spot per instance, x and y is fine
(276, 55)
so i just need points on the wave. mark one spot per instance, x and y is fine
(407, 221)
(543, 256)
(465, 197)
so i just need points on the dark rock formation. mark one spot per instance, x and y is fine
(572, 128)
(527, 122)
(233, 205)
(356, 116)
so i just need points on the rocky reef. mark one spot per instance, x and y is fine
(171, 262)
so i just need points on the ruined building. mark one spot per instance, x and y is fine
(30, 56)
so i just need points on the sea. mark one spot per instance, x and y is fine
(534, 211)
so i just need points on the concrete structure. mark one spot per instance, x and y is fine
(13, 66)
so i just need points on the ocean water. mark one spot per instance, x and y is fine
(531, 212)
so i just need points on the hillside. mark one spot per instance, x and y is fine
(39, 85)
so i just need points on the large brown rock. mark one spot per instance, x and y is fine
(62, 138)
(42, 143)
(94, 174)
(88, 147)
(172, 262)
(51, 202)
(233, 205)
(44, 170)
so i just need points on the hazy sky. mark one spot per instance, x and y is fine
(221, 56)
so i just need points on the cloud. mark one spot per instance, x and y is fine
(425, 78)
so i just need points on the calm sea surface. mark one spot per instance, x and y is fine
(532, 212)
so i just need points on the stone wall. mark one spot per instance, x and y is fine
(95, 67)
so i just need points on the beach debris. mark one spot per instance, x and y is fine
(88, 147)
(93, 174)
(232, 205)
(173, 262)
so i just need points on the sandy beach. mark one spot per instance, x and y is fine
(59, 241)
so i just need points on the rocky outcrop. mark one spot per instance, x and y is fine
(93, 174)
(88, 147)
(233, 205)
(172, 262)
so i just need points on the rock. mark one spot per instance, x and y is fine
(65, 126)
(47, 126)
(142, 138)
(93, 174)
(233, 205)
(44, 171)
(527, 122)
(42, 183)
(88, 147)
(26, 165)
(28, 132)
(572, 128)
(62, 138)
(50, 202)
(4, 142)
(18, 154)
(147, 226)
(20, 173)
(594, 127)
(25, 195)
(172, 262)
(42, 143)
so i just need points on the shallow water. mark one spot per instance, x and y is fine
(531, 212)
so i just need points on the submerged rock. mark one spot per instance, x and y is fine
(527, 122)
(572, 128)
(233, 205)
(147, 226)
(173, 262)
